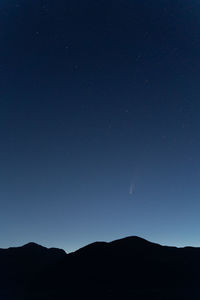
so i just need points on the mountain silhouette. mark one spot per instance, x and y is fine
(129, 268)
(19, 266)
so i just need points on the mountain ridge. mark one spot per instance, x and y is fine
(131, 267)
(133, 238)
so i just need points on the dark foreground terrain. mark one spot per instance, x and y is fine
(130, 268)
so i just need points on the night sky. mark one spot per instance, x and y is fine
(99, 121)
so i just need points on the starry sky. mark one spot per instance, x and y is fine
(99, 121)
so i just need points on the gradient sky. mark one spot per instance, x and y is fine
(99, 121)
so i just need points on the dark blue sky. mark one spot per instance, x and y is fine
(99, 121)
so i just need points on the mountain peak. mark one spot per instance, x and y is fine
(133, 239)
(133, 243)
(32, 245)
